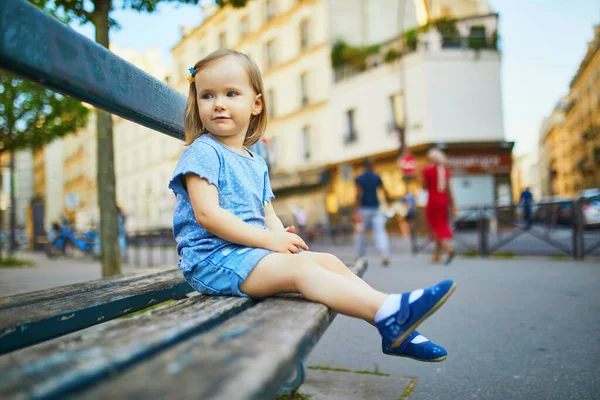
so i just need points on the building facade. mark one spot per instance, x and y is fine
(583, 119)
(571, 135)
(311, 104)
(80, 171)
(556, 171)
(144, 159)
(443, 95)
(65, 171)
(289, 41)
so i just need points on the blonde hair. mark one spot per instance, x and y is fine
(192, 122)
(437, 156)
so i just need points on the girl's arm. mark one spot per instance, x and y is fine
(272, 221)
(220, 222)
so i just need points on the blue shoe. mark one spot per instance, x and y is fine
(425, 351)
(396, 328)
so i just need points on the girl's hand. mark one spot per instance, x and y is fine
(291, 229)
(286, 242)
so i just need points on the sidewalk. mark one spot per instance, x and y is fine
(52, 273)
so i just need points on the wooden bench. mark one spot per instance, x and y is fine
(195, 347)
(70, 341)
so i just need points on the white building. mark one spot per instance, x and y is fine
(322, 121)
(54, 191)
(449, 97)
(144, 159)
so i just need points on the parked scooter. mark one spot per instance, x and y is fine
(61, 237)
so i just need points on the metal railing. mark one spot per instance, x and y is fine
(554, 229)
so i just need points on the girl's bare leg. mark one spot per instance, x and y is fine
(333, 264)
(293, 273)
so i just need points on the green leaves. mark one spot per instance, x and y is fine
(344, 54)
(32, 116)
(234, 3)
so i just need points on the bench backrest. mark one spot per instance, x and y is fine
(42, 49)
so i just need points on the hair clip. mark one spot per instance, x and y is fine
(191, 79)
(192, 70)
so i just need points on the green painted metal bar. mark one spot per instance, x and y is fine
(40, 48)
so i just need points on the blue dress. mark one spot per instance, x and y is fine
(209, 263)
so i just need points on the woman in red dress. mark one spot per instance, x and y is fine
(436, 180)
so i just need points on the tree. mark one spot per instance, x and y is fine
(32, 116)
(98, 13)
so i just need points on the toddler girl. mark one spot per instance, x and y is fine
(229, 238)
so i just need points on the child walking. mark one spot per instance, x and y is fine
(229, 239)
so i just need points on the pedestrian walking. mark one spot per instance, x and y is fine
(368, 214)
(436, 181)
(526, 200)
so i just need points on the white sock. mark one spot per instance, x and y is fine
(389, 307)
(392, 304)
(419, 339)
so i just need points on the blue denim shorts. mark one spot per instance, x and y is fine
(225, 270)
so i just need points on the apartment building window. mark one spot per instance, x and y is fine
(306, 145)
(396, 104)
(222, 40)
(270, 54)
(269, 9)
(351, 135)
(304, 35)
(270, 103)
(244, 27)
(304, 96)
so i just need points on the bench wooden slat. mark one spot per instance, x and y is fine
(38, 321)
(248, 356)
(40, 296)
(42, 49)
(87, 356)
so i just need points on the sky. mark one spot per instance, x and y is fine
(542, 44)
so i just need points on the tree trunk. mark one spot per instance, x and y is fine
(109, 225)
(13, 207)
